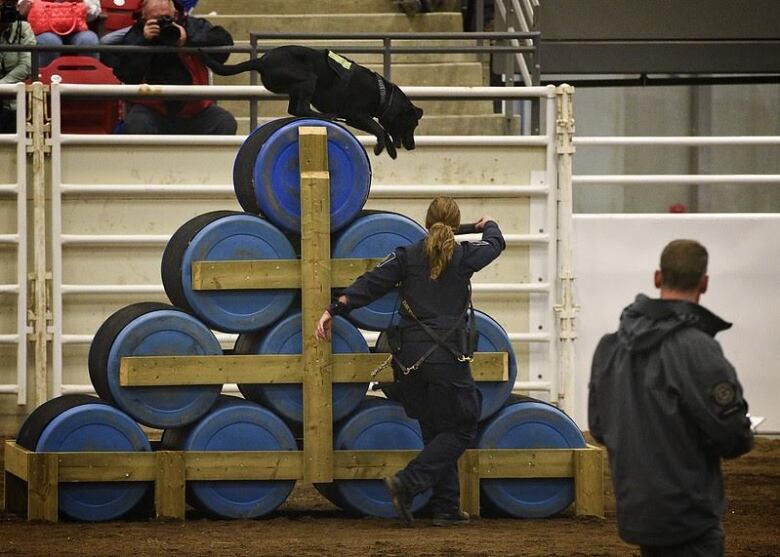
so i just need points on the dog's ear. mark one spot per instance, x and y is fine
(418, 112)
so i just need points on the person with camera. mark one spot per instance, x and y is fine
(431, 350)
(14, 66)
(162, 25)
(58, 22)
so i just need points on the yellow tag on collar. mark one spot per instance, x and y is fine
(346, 64)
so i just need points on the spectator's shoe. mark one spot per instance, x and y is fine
(451, 519)
(402, 502)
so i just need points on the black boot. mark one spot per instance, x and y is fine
(451, 519)
(402, 501)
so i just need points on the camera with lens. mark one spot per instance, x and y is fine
(8, 13)
(169, 33)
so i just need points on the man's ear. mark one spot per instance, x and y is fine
(658, 279)
(704, 283)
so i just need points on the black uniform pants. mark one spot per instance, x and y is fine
(709, 544)
(445, 400)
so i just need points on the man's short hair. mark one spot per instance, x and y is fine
(150, 2)
(683, 264)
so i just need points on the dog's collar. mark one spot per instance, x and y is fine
(384, 99)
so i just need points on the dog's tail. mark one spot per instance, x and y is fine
(231, 69)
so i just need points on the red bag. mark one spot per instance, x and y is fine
(62, 18)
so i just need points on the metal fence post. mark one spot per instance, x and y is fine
(253, 108)
(387, 63)
(565, 309)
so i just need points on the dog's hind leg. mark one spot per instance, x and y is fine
(300, 100)
(371, 126)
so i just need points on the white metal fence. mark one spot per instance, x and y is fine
(545, 295)
(19, 240)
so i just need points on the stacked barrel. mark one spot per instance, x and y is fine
(268, 417)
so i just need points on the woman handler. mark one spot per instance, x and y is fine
(431, 358)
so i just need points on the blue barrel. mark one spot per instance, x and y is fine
(376, 235)
(285, 338)
(377, 425)
(235, 424)
(80, 423)
(277, 175)
(244, 165)
(491, 338)
(525, 423)
(151, 329)
(219, 236)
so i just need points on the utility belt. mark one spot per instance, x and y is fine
(458, 340)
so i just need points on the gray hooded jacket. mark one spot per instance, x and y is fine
(667, 405)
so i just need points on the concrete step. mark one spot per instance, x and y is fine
(456, 74)
(486, 124)
(371, 58)
(279, 108)
(241, 26)
(271, 7)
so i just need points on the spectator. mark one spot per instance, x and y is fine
(115, 37)
(668, 406)
(172, 117)
(84, 37)
(14, 66)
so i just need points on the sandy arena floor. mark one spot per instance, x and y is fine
(309, 525)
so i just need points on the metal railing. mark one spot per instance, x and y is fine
(543, 196)
(19, 240)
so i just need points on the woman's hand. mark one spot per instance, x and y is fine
(323, 327)
(480, 224)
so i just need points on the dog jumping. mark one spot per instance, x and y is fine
(339, 88)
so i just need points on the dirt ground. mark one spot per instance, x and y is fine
(309, 525)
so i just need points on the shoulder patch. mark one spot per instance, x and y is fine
(340, 60)
(386, 260)
(724, 393)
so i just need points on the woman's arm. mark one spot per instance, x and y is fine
(368, 287)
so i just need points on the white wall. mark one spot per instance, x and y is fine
(614, 259)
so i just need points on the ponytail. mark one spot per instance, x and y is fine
(439, 246)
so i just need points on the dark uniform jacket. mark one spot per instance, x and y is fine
(171, 69)
(668, 405)
(439, 303)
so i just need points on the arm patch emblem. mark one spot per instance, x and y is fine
(724, 393)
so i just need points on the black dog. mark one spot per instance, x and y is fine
(338, 88)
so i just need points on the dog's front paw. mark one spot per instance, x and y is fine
(379, 147)
(391, 150)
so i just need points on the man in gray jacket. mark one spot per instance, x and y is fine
(668, 406)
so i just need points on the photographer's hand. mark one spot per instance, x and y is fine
(151, 30)
(182, 35)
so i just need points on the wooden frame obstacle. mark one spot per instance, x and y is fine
(32, 479)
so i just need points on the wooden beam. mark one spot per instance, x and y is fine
(589, 482)
(145, 371)
(107, 467)
(246, 275)
(315, 293)
(169, 483)
(469, 476)
(369, 465)
(526, 463)
(140, 371)
(255, 465)
(270, 273)
(16, 459)
(42, 487)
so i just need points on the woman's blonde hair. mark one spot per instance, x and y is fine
(442, 220)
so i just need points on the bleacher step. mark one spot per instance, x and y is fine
(486, 124)
(269, 108)
(454, 74)
(229, 7)
(241, 26)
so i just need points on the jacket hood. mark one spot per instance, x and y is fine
(647, 321)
